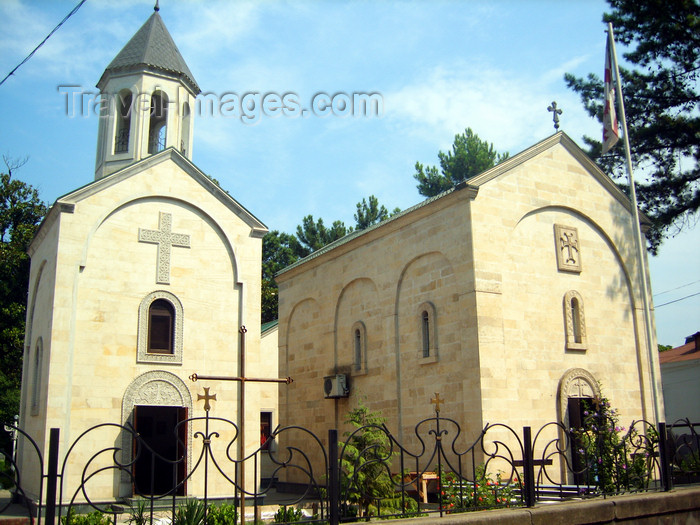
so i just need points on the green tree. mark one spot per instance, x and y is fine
(21, 212)
(279, 250)
(469, 156)
(661, 103)
(314, 235)
(365, 459)
(370, 212)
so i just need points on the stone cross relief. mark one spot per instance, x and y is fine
(568, 249)
(580, 388)
(165, 239)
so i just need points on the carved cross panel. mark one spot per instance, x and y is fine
(165, 239)
(568, 248)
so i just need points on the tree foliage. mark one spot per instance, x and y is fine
(21, 212)
(314, 235)
(660, 90)
(469, 156)
(365, 459)
(282, 249)
(279, 250)
(370, 212)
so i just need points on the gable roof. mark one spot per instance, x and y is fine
(152, 49)
(67, 202)
(474, 183)
(687, 352)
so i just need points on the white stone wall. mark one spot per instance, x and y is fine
(102, 275)
(487, 261)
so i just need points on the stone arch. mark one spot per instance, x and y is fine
(154, 388)
(575, 321)
(142, 355)
(158, 122)
(576, 382)
(356, 308)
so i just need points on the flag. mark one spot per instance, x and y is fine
(611, 133)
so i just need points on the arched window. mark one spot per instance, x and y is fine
(122, 131)
(160, 331)
(428, 333)
(425, 330)
(184, 143)
(575, 321)
(36, 377)
(157, 123)
(161, 315)
(359, 347)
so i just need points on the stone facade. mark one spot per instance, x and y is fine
(466, 295)
(151, 228)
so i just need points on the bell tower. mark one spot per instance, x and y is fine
(148, 96)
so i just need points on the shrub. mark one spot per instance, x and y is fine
(93, 518)
(484, 492)
(614, 459)
(191, 513)
(288, 515)
(365, 475)
(224, 514)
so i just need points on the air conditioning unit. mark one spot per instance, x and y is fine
(335, 386)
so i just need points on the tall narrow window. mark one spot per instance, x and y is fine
(157, 123)
(359, 348)
(576, 314)
(36, 377)
(425, 328)
(160, 330)
(161, 318)
(185, 142)
(427, 333)
(265, 430)
(121, 134)
(575, 323)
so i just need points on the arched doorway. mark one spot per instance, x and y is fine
(156, 404)
(575, 386)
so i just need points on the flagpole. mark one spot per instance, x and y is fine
(653, 353)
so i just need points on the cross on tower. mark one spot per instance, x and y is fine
(165, 240)
(555, 117)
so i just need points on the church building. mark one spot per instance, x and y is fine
(514, 296)
(139, 279)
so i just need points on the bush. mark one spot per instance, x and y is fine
(288, 515)
(614, 460)
(484, 492)
(224, 514)
(7, 477)
(191, 513)
(365, 458)
(93, 518)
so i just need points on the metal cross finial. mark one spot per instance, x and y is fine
(155, 7)
(557, 112)
(206, 398)
(436, 401)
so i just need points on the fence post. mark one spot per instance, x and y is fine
(333, 477)
(664, 456)
(52, 478)
(528, 468)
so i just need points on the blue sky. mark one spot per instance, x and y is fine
(439, 67)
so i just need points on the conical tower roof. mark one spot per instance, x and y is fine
(152, 48)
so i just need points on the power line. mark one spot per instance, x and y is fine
(43, 41)
(676, 300)
(677, 288)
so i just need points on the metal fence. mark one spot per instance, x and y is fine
(367, 473)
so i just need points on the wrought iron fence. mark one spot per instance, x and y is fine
(368, 473)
